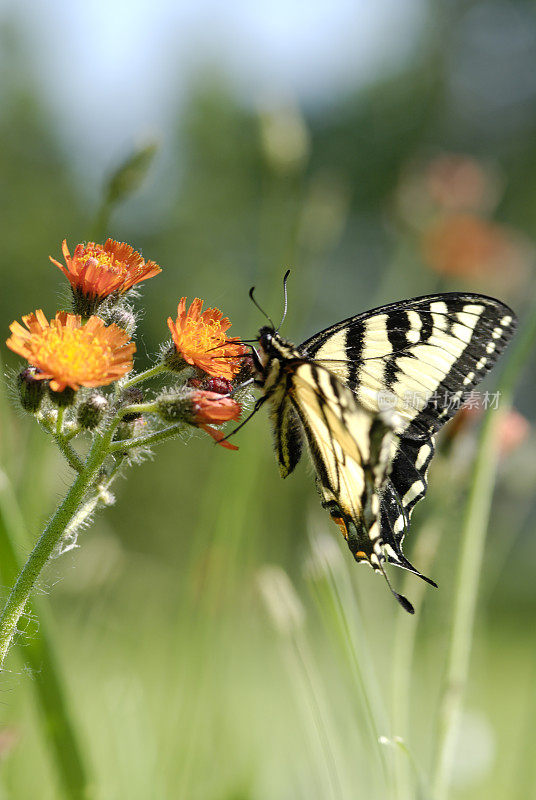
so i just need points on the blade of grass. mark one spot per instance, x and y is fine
(405, 635)
(38, 654)
(330, 581)
(471, 554)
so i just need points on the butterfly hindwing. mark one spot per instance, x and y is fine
(405, 486)
(350, 449)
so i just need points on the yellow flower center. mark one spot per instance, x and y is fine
(77, 353)
(100, 258)
(203, 335)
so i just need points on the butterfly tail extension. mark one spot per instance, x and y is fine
(364, 552)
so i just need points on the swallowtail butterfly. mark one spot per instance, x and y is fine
(371, 462)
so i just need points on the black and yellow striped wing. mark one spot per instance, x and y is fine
(420, 357)
(350, 449)
(425, 352)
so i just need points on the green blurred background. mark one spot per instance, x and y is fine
(381, 151)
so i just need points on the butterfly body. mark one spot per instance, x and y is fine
(344, 391)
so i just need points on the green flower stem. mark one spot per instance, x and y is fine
(137, 408)
(74, 460)
(71, 430)
(149, 439)
(49, 539)
(144, 376)
(38, 654)
(82, 515)
(59, 422)
(470, 563)
(63, 443)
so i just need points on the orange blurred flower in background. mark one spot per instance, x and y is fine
(96, 271)
(71, 354)
(464, 245)
(460, 183)
(445, 203)
(200, 338)
(513, 429)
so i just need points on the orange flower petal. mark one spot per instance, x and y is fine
(71, 354)
(201, 340)
(214, 407)
(218, 437)
(97, 270)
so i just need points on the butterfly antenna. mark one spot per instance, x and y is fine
(260, 309)
(256, 407)
(285, 279)
(404, 602)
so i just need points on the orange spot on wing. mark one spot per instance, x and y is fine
(342, 525)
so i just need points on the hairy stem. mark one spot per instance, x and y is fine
(74, 460)
(38, 654)
(149, 439)
(59, 421)
(152, 372)
(62, 440)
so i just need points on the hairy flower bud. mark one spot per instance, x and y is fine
(199, 408)
(130, 174)
(62, 399)
(91, 411)
(130, 429)
(131, 397)
(31, 390)
(123, 318)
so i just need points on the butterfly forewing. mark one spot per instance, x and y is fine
(427, 353)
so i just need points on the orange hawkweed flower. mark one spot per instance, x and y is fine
(459, 182)
(213, 407)
(71, 354)
(96, 271)
(200, 339)
(464, 245)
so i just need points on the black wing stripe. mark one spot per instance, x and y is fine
(288, 437)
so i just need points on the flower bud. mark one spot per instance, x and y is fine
(173, 408)
(62, 399)
(213, 407)
(130, 174)
(123, 318)
(129, 430)
(131, 397)
(199, 408)
(173, 360)
(91, 411)
(31, 390)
